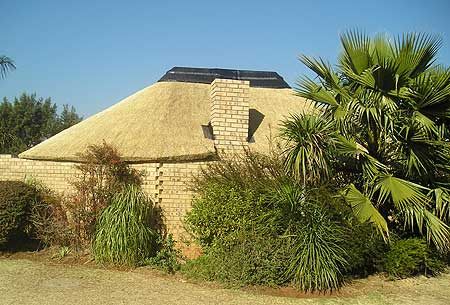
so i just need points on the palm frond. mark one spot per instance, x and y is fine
(432, 92)
(308, 89)
(381, 48)
(411, 201)
(364, 210)
(322, 69)
(6, 65)
(441, 197)
(307, 140)
(438, 232)
(416, 52)
(356, 54)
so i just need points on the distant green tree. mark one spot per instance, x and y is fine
(29, 120)
(67, 118)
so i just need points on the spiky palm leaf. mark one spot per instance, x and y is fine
(6, 65)
(387, 111)
(307, 137)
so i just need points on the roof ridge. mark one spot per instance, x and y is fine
(261, 79)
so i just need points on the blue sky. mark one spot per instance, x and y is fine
(92, 54)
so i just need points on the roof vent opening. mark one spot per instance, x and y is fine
(254, 121)
(208, 131)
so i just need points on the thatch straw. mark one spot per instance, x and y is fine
(163, 122)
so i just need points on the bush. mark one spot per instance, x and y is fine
(246, 210)
(48, 218)
(221, 210)
(249, 171)
(243, 258)
(16, 201)
(103, 174)
(124, 233)
(167, 256)
(412, 256)
(365, 248)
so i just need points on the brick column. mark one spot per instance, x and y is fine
(230, 115)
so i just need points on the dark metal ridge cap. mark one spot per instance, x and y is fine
(259, 79)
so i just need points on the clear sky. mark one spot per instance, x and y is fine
(92, 54)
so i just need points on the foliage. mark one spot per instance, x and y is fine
(6, 65)
(29, 120)
(381, 133)
(242, 223)
(243, 258)
(102, 174)
(220, 210)
(312, 220)
(411, 256)
(124, 233)
(365, 249)
(16, 201)
(62, 252)
(249, 170)
(167, 257)
(49, 222)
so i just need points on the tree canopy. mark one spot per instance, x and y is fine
(29, 120)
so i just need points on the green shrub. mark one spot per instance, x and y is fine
(412, 256)
(48, 218)
(243, 258)
(365, 248)
(312, 219)
(220, 210)
(124, 233)
(102, 174)
(167, 257)
(16, 201)
(246, 207)
(200, 268)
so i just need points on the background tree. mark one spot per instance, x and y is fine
(382, 132)
(29, 120)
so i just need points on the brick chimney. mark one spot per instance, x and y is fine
(230, 115)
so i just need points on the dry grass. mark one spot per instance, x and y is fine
(24, 281)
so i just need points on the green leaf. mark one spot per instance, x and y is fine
(364, 210)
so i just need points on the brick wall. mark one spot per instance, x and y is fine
(168, 184)
(55, 175)
(230, 115)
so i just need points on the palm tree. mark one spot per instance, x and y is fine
(6, 65)
(382, 132)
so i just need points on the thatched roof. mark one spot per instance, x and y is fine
(164, 122)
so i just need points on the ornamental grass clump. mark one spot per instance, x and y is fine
(318, 257)
(125, 233)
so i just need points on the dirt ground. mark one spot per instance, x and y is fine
(26, 280)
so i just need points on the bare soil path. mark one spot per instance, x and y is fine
(24, 281)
